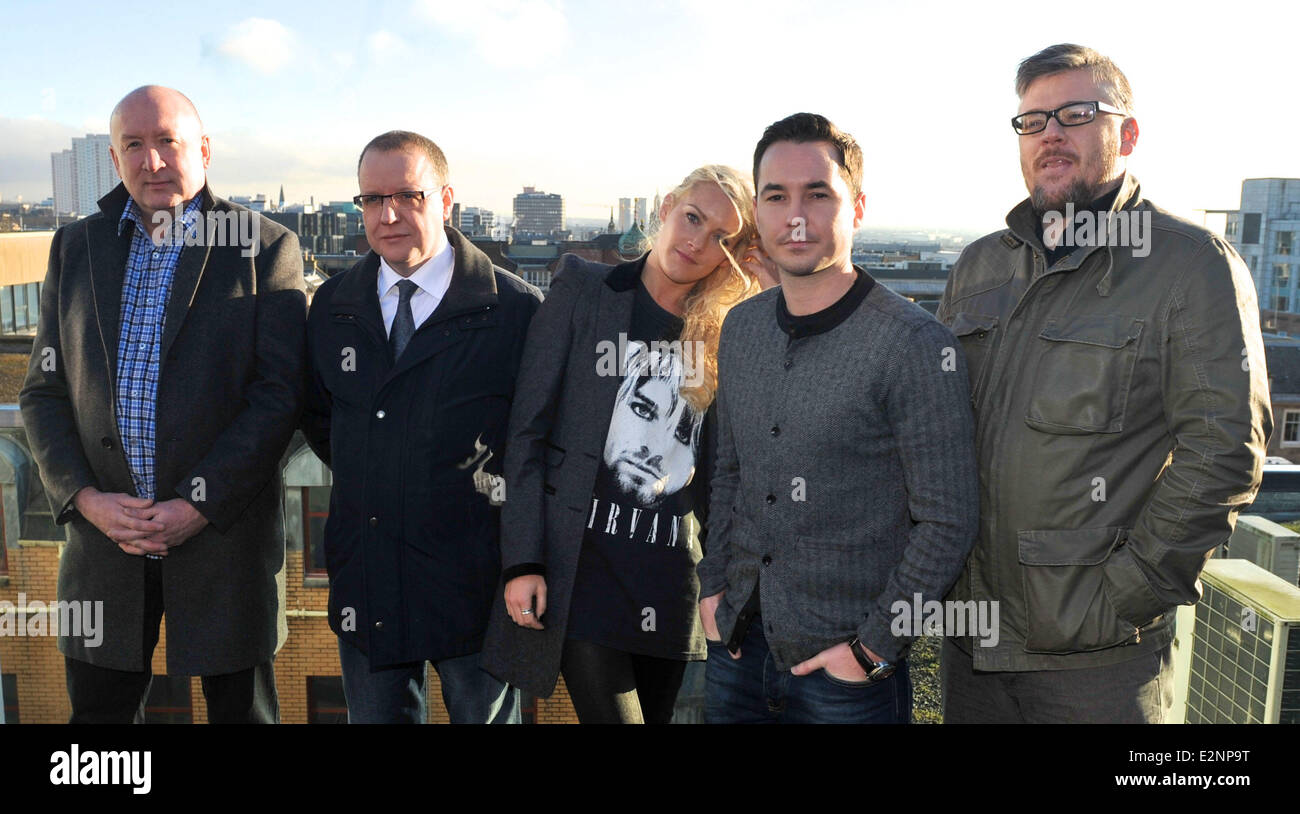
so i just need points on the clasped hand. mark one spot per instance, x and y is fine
(139, 525)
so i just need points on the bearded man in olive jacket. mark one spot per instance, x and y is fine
(1122, 411)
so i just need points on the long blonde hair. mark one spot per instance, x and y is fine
(707, 303)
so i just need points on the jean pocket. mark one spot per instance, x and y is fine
(1066, 605)
(1083, 374)
(844, 682)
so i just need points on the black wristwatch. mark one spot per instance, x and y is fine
(875, 670)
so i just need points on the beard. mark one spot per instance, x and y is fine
(1078, 192)
(1096, 171)
(634, 487)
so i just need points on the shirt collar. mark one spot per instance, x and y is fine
(131, 214)
(797, 327)
(430, 276)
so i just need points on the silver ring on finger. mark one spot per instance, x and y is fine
(526, 612)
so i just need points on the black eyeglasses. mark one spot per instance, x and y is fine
(409, 199)
(1072, 114)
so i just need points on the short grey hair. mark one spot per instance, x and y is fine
(1069, 57)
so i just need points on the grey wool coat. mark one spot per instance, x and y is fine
(229, 391)
(558, 425)
(845, 480)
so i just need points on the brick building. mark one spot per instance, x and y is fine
(307, 667)
(1282, 356)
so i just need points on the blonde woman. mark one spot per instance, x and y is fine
(607, 461)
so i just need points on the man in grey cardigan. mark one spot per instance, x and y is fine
(846, 480)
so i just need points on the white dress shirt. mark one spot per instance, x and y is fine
(433, 278)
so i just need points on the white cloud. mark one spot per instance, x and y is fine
(387, 48)
(506, 33)
(249, 161)
(264, 45)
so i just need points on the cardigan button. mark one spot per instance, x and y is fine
(107, 442)
(776, 431)
(770, 499)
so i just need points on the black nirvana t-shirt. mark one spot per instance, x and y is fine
(636, 588)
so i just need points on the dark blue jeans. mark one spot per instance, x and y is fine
(395, 695)
(751, 690)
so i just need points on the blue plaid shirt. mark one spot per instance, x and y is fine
(145, 291)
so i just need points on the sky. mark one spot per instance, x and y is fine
(602, 100)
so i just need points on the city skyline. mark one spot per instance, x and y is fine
(561, 97)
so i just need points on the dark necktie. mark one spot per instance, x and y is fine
(404, 321)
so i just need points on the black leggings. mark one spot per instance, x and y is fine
(613, 687)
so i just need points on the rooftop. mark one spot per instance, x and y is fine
(1283, 360)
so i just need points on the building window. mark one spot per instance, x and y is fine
(6, 309)
(1291, 427)
(1281, 274)
(1281, 303)
(1250, 228)
(4, 550)
(20, 308)
(9, 689)
(1282, 245)
(325, 702)
(1230, 230)
(315, 509)
(169, 701)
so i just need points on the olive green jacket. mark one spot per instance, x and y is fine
(1122, 413)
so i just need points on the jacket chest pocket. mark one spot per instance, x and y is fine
(977, 334)
(349, 362)
(1083, 374)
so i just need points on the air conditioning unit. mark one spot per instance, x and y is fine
(1244, 664)
(1271, 546)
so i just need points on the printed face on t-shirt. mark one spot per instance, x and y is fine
(653, 433)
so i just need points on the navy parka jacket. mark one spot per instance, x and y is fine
(411, 542)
